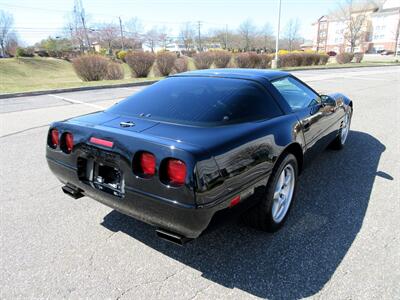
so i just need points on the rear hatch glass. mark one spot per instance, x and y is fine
(202, 101)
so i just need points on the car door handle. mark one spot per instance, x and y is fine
(306, 125)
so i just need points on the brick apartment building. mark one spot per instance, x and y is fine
(380, 30)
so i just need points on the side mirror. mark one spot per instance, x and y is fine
(328, 100)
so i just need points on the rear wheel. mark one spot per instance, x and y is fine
(340, 140)
(272, 210)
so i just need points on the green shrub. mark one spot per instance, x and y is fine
(265, 61)
(344, 58)
(248, 60)
(165, 62)
(181, 65)
(114, 71)
(188, 53)
(290, 60)
(25, 52)
(222, 58)
(358, 57)
(122, 54)
(140, 63)
(203, 60)
(91, 67)
(323, 59)
(297, 59)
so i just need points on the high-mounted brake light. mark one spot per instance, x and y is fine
(176, 171)
(101, 142)
(54, 138)
(148, 163)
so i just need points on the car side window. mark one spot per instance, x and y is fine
(296, 94)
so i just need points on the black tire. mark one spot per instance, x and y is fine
(260, 216)
(337, 143)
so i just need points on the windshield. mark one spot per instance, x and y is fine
(200, 101)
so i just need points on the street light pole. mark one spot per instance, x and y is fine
(275, 62)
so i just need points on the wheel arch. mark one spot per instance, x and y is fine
(297, 151)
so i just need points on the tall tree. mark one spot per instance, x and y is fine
(186, 35)
(291, 33)
(267, 36)
(6, 23)
(108, 34)
(354, 16)
(247, 31)
(134, 28)
(152, 38)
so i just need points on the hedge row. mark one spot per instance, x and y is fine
(97, 67)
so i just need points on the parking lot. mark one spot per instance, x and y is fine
(341, 241)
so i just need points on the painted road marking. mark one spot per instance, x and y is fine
(73, 101)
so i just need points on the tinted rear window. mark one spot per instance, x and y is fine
(200, 101)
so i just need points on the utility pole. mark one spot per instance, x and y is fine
(226, 36)
(199, 33)
(275, 62)
(81, 10)
(122, 35)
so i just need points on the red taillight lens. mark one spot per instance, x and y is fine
(54, 138)
(148, 163)
(176, 171)
(69, 142)
(234, 201)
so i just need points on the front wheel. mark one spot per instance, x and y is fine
(340, 140)
(272, 210)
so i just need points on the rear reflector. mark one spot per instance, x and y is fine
(101, 142)
(148, 163)
(234, 201)
(176, 171)
(54, 138)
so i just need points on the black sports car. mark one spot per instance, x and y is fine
(193, 144)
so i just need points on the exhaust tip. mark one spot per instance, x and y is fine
(171, 237)
(72, 191)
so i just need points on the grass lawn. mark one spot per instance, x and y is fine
(36, 73)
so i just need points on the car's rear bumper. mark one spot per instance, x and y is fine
(183, 219)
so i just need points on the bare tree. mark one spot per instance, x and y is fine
(247, 31)
(152, 38)
(108, 34)
(291, 33)
(134, 28)
(6, 23)
(354, 16)
(12, 44)
(267, 36)
(186, 35)
(164, 37)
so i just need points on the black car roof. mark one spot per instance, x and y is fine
(253, 74)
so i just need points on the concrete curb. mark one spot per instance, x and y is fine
(148, 82)
(83, 88)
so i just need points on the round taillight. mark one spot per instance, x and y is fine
(176, 171)
(68, 142)
(54, 141)
(147, 163)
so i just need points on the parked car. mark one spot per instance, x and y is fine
(331, 53)
(182, 149)
(387, 52)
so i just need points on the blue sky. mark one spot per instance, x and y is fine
(37, 19)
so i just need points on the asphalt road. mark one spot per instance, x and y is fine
(342, 240)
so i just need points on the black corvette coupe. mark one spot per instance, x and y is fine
(177, 152)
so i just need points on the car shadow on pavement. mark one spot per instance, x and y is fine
(297, 261)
